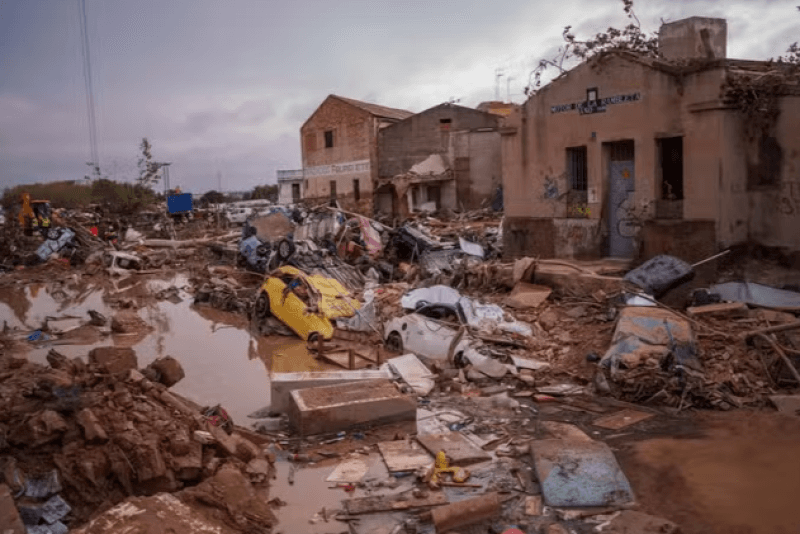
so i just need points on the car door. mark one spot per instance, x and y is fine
(428, 337)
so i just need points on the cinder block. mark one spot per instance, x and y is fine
(282, 384)
(329, 409)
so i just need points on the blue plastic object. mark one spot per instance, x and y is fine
(179, 203)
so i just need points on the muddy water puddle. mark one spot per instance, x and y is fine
(742, 477)
(224, 363)
(310, 493)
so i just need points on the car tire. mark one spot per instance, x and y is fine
(262, 305)
(285, 249)
(394, 343)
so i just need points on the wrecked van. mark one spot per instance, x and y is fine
(307, 304)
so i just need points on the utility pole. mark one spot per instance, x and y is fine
(508, 88)
(498, 73)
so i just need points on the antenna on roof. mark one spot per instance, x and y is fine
(453, 100)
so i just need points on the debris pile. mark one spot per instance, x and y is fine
(79, 436)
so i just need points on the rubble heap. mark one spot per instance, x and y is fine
(93, 434)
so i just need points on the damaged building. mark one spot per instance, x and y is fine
(446, 157)
(340, 151)
(290, 184)
(627, 155)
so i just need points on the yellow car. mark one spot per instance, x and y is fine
(305, 303)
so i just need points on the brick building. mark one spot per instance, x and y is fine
(447, 156)
(627, 155)
(340, 150)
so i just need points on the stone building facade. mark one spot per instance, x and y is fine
(627, 155)
(340, 151)
(447, 156)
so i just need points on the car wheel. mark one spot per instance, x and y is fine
(312, 341)
(285, 249)
(262, 305)
(262, 250)
(394, 343)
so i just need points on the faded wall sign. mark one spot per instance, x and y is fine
(338, 168)
(596, 106)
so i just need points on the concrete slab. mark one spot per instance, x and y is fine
(788, 404)
(340, 407)
(459, 450)
(282, 384)
(579, 473)
(404, 455)
(622, 419)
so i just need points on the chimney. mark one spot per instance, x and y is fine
(692, 38)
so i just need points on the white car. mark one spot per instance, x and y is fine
(238, 215)
(439, 313)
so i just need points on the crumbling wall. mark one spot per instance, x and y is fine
(412, 140)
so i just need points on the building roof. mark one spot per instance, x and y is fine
(377, 110)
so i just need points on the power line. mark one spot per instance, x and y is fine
(87, 77)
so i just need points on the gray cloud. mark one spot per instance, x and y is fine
(223, 87)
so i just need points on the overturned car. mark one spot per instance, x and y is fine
(266, 242)
(442, 324)
(307, 304)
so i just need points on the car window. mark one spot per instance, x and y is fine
(439, 312)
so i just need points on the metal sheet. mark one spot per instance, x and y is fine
(579, 473)
(621, 201)
(758, 295)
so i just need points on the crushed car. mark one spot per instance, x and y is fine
(266, 242)
(441, 324)
(307, 304)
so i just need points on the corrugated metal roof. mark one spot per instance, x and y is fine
(375, 109)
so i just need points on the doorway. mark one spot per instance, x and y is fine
(622, 223)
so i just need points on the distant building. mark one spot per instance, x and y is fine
(340, 150)
(447, 156)
(290, 185)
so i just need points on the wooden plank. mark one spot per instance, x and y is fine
(622, 419)
(342, 358)
(533, 505)
(370, 505)
(722, 308)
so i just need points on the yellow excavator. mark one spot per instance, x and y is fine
(34, 215)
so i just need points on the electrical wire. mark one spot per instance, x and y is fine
(87, 78)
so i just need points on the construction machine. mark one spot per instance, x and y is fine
(34, 214)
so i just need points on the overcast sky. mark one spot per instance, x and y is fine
(223, 86)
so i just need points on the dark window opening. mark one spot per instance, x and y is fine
(765, 172)
(329, 139)
(435, 195)
(295, 193)
(444, 124)
(577, 168)
(333, 189)
(592, 94)
(671, 153)
(356, 190)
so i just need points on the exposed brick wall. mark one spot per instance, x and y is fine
(410, 141)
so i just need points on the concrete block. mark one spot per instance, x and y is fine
(166, 370)
(282, 384)
(114, 359)
(92, 429)
(334, 408)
